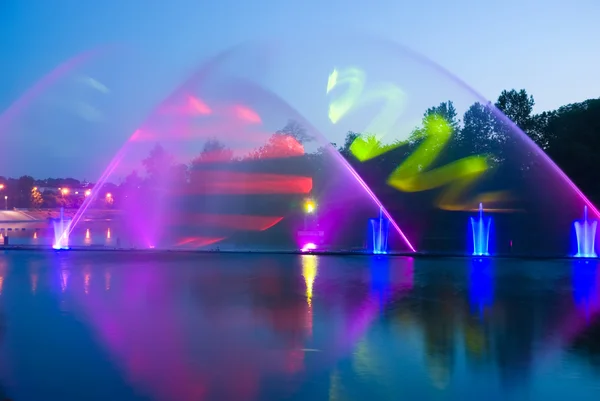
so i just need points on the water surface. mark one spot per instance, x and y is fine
(182, 326)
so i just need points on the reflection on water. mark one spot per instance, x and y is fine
(135, 326)
(88, 234)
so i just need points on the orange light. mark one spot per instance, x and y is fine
(65, 191)
(1, 186)
(88, 192)
(109, 195)
(35, 188)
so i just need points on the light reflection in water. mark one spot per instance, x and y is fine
(64, 279)
(108, 234)
(3, 272)
(86, 282)
(585, 286)
(382, 328)
(481, 287)
(88, 237)
(107, 277)
(309, 272)
(34, 282)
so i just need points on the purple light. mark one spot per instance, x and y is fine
(372, 195)
(309, 247)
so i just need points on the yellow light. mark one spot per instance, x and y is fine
(35, 188)
(1, 186)
(309, 206)
(65, 191)
(88, 192)
(109, 195)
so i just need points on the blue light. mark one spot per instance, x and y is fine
(481, 284)
(62, 227)
(585, 232)
(481, 234)
(378, 234)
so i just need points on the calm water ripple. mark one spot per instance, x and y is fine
(179, 327)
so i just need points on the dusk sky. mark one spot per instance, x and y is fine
(550, 47)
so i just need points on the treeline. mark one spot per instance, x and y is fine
(28, 193)
(570, 136)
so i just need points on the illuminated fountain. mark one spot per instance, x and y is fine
(481, 234)
(61, 231)
(585, 231)
(379, 231)
(249, 180)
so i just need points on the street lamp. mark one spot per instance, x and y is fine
(309, 208)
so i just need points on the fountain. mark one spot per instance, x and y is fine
(378, 240)
(481, 234)
(61, 231)
(585, 231)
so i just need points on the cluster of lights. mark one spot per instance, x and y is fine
(67, 191)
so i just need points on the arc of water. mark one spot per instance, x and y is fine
(15, 108)
(437, 67)
(196, 78)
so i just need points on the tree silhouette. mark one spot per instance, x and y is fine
(297, 131)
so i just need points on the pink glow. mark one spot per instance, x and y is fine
(230, 221)
(233, 182)
(198, 106)
(309, 247)
(246, 114)
(198, 242)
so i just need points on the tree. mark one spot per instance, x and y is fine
(297, 131)
(132, 181)
(36, 198)
(518, 107)
(157, 164)
(345, 148)
(539, 131)
(437, 119)
(479, 134)
(573, 135)
(24, 184)
(213, 151)
(447, 111)
(278, 146)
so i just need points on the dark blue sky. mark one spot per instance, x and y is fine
(550, 47)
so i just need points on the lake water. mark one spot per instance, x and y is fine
(172, 326)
